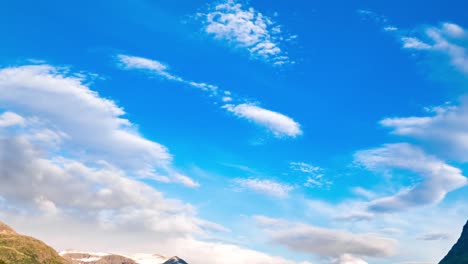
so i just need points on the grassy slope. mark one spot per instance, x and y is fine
(18, 249)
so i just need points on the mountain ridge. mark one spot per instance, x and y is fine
(20, 249)
(458, 254)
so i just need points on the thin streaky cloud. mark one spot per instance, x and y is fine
(276, 123)
(265, 186)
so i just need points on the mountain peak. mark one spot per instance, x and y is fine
(459, 252)
(6, 230)
(175, 260)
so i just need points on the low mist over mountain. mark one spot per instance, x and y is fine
(459, 252)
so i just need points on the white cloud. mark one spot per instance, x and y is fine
(414, 43)
(133, 62)
(66, 167)
(277, 123)
(128, 62)
(315, 176)
(226, 99)
(448, 39)
(305, 167)
(326, 242)
(446, 130)
(247, 29)
(390, 28)
(103, 194)
(348, 259)
(347, 211)
(434, 236)
(11, 119)
(267, 187)
(439, 178)
(398, 226)
(369, 14)
(453, 30)
(74, 115)
(135, 242)
(198, 252)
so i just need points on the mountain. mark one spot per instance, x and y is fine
(77, 257)
(459, 252)
(175, 260)
(19, 249)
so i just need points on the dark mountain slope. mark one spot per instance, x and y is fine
(175, 260)
(459, 252)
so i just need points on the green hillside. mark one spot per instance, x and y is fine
(19, 249)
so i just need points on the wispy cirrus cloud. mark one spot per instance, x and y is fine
(276, 123)
(265, 186)
(439, 178)
(158, 68)
(315, 175)
(448, 39)
(247, 29)
(434, 236)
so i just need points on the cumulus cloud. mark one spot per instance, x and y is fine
(264, 186)
(73, 114)
(30, 180)
(439, 178)
(277, 123)
(89, 194)
(134, 242)
(247, 29)
(328, 243)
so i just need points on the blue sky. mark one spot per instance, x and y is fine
(263, 129)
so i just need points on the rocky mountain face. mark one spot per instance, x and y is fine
(459, 252)
(19, 249)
